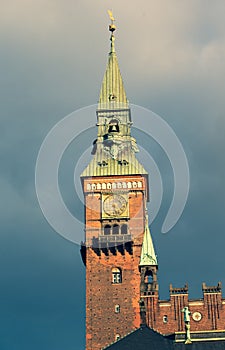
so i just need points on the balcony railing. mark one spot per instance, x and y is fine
(113, 243)
(115, 239)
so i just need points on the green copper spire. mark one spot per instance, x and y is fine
(148, 257)
(114, 149)
(112, 93)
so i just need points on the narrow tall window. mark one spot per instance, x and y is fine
(107, 230)
(124, 229)
(148, 277)
(116, 275)
(117, 309)
(115, 229)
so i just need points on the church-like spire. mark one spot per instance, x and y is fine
(148, 256)
(114, 149)
(112, 93)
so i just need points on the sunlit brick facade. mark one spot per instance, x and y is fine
(121, 265)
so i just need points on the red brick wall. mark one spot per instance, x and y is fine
(102, 322)
(211, 307)
(102, 295)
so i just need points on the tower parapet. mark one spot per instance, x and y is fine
(212, 289)
(182, 290)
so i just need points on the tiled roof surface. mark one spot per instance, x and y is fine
(114, 166)
(145, 338)
(142, 338)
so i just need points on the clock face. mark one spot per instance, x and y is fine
(197, 316)
(114, 205)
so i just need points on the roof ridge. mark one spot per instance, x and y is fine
(134, 330)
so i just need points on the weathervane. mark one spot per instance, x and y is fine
(112, 26)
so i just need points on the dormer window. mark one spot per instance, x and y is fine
(123, 162)
(112, 97)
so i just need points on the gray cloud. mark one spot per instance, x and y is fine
(53, 58)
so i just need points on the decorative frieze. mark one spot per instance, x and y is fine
(111, 186)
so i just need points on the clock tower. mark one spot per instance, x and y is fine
(118, 250)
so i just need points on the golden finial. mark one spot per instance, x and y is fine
(112, 26)
(111, 15)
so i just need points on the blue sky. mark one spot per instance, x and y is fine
(53, 57)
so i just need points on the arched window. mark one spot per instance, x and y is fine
(107, 230)
(148, 277)
(117, 309)
(99, 186)
(114, 185)
(116, 275)
(165, 319)
(124, 229)
(113, 126)
(117, 337)
(115, 229)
